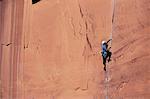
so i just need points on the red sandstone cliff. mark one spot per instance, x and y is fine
(49, 49)
(131, 38)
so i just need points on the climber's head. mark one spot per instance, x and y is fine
(103, 42)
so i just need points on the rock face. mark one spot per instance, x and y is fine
(49, 50)
(10, 47)
(131, 38)
(61, 58)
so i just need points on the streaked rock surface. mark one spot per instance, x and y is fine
(49, 50)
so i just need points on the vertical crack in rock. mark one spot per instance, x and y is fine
(82, 16)
(86, 26)
(73, 26)
(81, 12)
(113, 13)
(88, 42)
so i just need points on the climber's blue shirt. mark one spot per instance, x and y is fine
(104, 50)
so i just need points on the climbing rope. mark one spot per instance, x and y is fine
(107, 68)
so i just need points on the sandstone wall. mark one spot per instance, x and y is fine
(60, 58)
(131, 38)
(10, 47)
(49, 50)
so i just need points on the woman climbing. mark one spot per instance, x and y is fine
(106, 54)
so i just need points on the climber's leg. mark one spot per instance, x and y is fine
(109, 55)
(104, 63)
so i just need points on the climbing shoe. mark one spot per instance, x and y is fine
(109, 60)
(104, 68)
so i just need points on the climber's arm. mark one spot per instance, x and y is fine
(108, 41)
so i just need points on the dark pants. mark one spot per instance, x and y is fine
(108, 56)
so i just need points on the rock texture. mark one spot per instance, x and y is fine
(10, 47)
(131, 38)
(61, 50)
(49, 50)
